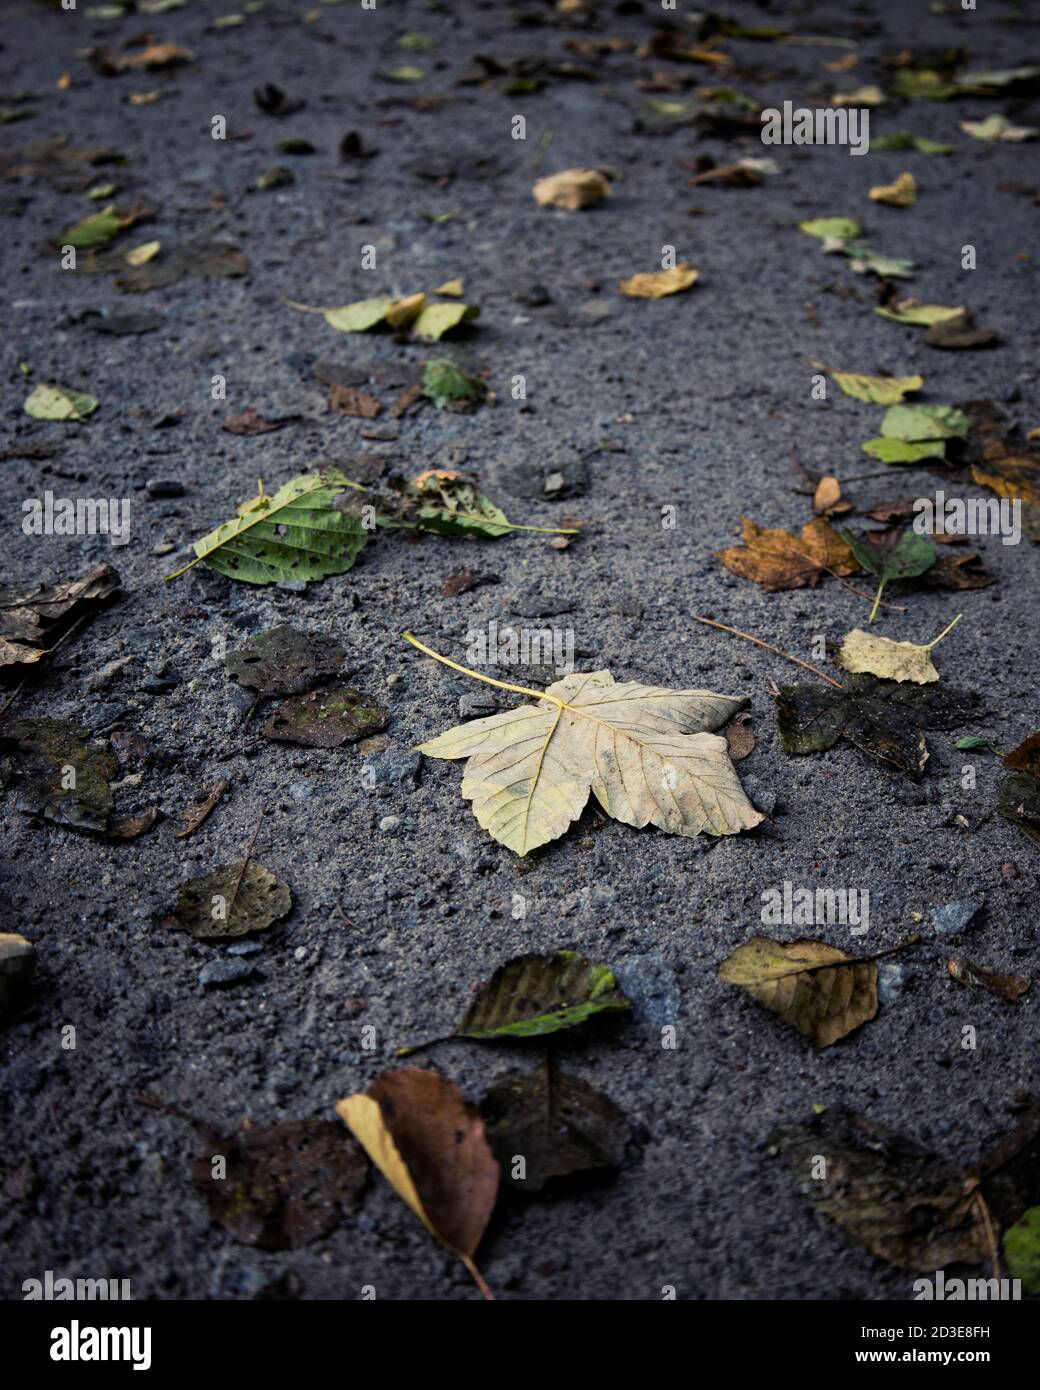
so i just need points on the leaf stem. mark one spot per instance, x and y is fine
(945, 633)
(877, 602)
(724, 627)
(478, 676)
(477, 1276)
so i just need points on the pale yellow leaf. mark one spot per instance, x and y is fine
(572, 189)
(900, 194)
(656, 284)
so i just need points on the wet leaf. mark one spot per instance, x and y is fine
(1018, 800)
(1009, 987)
(658, 283)
(805, 984)
(296, 536)
(1026, 757)
(328, 718)
(446, 384)
(429, 1144)
(900, 194)
(285, 661)
(52, 402)
(642, 751)
(882, 390)
(33, 616)
(233, 900)
(886, 719)
(899, 555)
(281, 1187)
(571, 189)
(889, 1194)
(61, 777)
(17, 963)
(557, 1124)
(207, 260)
(194, 817)
(776, 559)
(1022, 1250)
(348, 400)
(250, 422)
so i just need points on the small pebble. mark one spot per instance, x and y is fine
(390, 822)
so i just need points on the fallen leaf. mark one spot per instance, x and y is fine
(1018, 800)
(60, 776)
(452, 288)
(429, 1144)
(297, 535)
(1026, 757)
(745, 173)
(957, 572)
(882, 390)
(832, 228)
(999, 128)
(141, 255)
(556, 1125)
(96, 230)
(776, 559)
(1022, 1250)
(285, 661)
(326, 718)
(435, 320)
(643, 751)
(17, 963)
(32, 617)
(902, 555)
(959, 333)
(740, 738)
(348, 400)
(272, 101)
(207, 260)
(899, 451)
(899, 1201)
(572, 189)
(869, 95)
(52, 402)
(806, 984)
(886, 719)
(880, 656)
(195, 815)
(658, 283)
(283, 1187)
(827, 498)
(448, 385)
(250, 422)
(898, 140)
(460, 581)
(111, 63)
(911, 311)
(914, 423)
(233, 900)
(1009, 987)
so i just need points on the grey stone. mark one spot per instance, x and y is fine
(952, 918)
(225, 972)
(394, 767)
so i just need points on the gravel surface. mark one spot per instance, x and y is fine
(696, 402)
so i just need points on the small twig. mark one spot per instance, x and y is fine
(724, 627)
(249, 855)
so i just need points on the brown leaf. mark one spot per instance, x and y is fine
(32, 616)
(283, 1187)
(740, 737)
(326, 718)
(959, 333)
(460, 581)
(250, 423)
(348, 400)
(195, 815)
(778, 560)
(1009, 987)
(964, 571)
(1026, 757)
(572, 189)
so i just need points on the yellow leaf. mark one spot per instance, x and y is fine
(141, 255)
(572, 189)
(452, 288)
(656, 284)
(776, 559)
(805, 984)
(881, 390)
(901, 194)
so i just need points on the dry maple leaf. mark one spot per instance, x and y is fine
(644, 752)
(776, 559)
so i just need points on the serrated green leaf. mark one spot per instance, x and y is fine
(295, 536)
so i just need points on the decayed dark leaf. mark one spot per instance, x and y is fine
(959, 333)
(283, 1187)
(111, 62)
(884, 718)
(61, 777)
(1018, 800)
(892, 1196)
(348, 400)
(195, 815)
(249, 422)
(233, 900)
(805, 983)
(966, 972)
(55, 161)
(285, 661)
(460, 581)
(429, 1144)
(215, 259)
(1026, 757)
(17, 962)
(557, 1124)
(740, 738)
(129, 827)
(272, 101)
(952, 571)
(1010, 1171)
(326, 718)
(32, 617)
